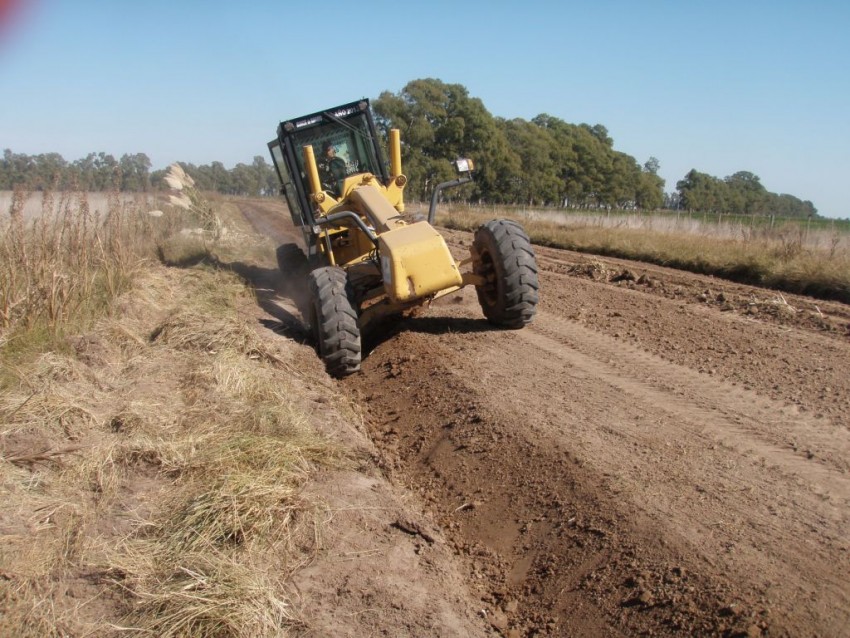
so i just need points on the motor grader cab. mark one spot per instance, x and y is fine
(367, 258)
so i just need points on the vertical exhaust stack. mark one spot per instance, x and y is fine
(313, 173)
(397, 178)
(395, 152)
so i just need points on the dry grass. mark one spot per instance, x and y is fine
(152, 466)
(236, 473)
(99, 203)
(785, 258)
(207, 593)
(62, 269)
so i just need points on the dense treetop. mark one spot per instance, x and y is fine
(741, 193)
(542, 162)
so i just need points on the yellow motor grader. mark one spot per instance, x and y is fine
(367, 258)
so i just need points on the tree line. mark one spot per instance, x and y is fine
(740, 194)
(94, 172)
(545, 162)
(129, 173)
(542, 162)
(550, 162)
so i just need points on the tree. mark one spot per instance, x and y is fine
(650, 191)
(267, 180)
(699, 191)
(652, 165)
(583, 161)
(599, 132)
(620, 185)
(220, 178)
(16, 168)
(135, 172)
(545, 161)
(741, 193)
(440, 122)
(746, 193)
(539, 181)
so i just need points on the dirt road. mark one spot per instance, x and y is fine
(659, 453)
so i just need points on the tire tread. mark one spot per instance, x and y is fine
(513, 263)
(334, 320)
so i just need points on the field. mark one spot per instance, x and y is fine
(98, 203)
(660, 453)
(799, 256)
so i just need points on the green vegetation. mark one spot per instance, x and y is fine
(257, 178)
(740, 194)
(95, 172)
(130, 173)
(543, 162)
(549, 162)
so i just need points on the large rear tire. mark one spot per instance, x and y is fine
(333, 319)
(503, 255)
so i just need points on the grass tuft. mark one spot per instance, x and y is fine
(206, 593)
(191, 330)
(233, 510)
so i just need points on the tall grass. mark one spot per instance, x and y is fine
(792, 258)
(64, 267)
(214, 559)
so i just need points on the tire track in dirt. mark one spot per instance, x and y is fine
(748, 421)
(690, 460)
(549, 542)
(635, 462)
(717, 443)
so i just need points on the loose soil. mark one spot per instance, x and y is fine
(659, 453)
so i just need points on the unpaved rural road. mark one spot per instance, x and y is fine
(659, 455)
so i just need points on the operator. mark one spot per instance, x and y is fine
(331, 169)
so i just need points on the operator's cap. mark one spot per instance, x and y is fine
(326, 146)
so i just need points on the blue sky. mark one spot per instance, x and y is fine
(717, 86)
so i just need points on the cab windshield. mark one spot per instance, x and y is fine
(348, 139)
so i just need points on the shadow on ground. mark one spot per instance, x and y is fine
(272, 291)
(275, 290)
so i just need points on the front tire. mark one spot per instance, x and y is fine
(333, 319)
(503, 255)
